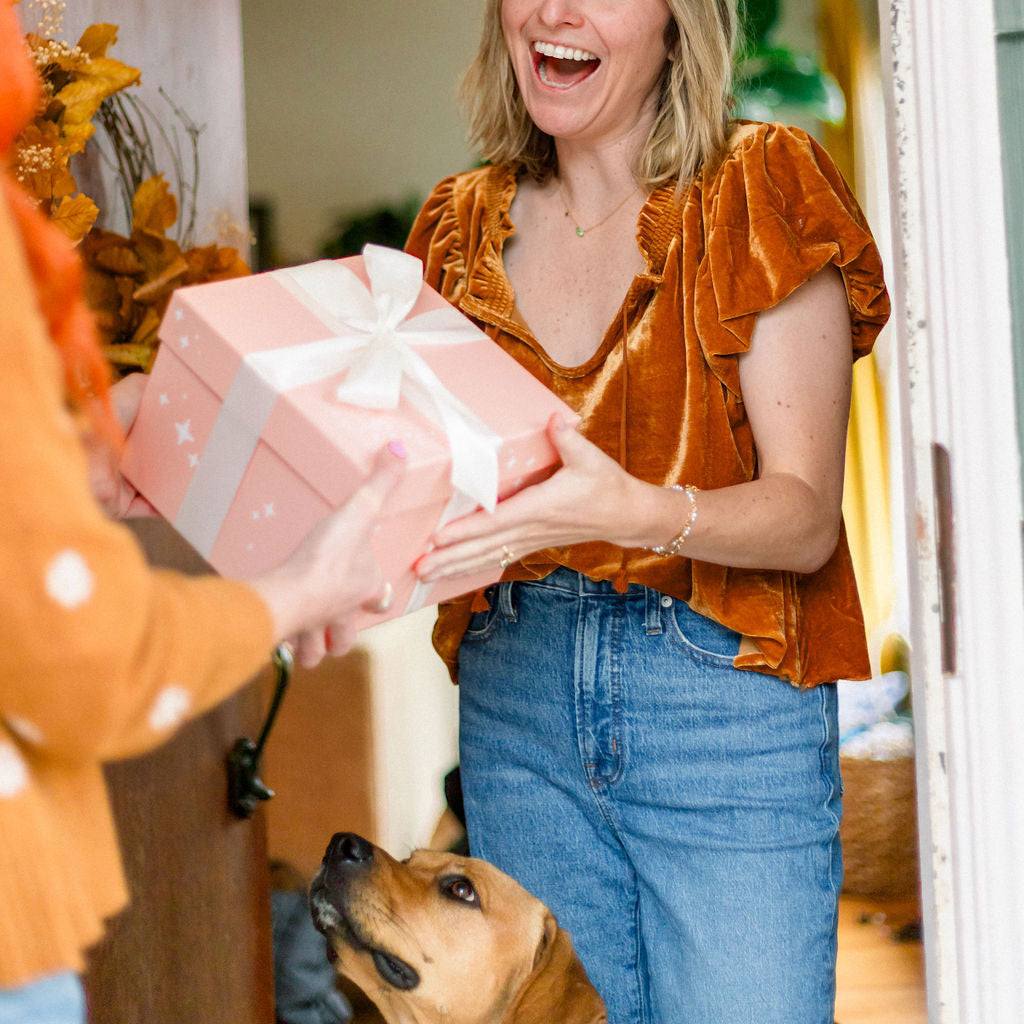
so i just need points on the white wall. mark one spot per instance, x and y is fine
(193, 50)
(350, 104)
(415, 730)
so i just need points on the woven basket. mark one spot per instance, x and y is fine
(879, 828)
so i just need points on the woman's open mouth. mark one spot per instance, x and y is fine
(562, 66)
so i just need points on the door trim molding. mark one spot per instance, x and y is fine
(956, 382)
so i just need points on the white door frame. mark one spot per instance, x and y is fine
(952, 317)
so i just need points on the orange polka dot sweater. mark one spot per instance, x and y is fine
(102, 657)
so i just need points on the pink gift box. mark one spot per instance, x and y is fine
(272, 394)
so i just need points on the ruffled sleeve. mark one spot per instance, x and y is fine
(435, 235)
(775, 212)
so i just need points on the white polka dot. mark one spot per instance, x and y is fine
(69, 581)
(26, 730)
(13, 771)
(170, 708)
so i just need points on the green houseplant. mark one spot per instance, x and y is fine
(772, 79)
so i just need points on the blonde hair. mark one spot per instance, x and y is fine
(691, 123)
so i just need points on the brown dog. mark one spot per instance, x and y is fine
(447, 940)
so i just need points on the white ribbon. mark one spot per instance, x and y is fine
(376, 344)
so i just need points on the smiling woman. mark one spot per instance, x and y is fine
(649, 691)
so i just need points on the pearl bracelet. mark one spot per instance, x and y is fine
(674, 546)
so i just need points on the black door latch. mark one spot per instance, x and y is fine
(245, 787)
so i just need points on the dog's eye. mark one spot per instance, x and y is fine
(458, 887)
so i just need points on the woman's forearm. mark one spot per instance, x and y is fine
(777, 522)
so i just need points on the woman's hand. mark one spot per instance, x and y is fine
(117, 497)
(333, 573)
(586, 499)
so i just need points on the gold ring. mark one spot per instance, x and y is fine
(382, 603)
(506, 557)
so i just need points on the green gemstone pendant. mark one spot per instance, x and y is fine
(580, 232)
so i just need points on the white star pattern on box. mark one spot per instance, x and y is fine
(170, 708)
(13, 771)
(184, 431)
(164, 399)
(179, 314)
(69, 580)
(268, 510)
(28, 731)
(184, 341)
(193, 460)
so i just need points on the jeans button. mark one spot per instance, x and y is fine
(666, 601)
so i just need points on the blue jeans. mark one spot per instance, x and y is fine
(679, 816)
(58, 999)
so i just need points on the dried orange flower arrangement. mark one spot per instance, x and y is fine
(129, 278)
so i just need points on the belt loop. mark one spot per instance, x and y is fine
(505, 606)
(652, 616)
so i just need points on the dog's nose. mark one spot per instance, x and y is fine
(350, 848)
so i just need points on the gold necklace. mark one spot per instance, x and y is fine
(580, 232)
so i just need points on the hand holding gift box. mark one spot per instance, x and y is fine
(271, 395)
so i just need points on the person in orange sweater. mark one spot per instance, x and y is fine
(104, 657)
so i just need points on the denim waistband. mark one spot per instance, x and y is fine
(565, 581)
(573, 582)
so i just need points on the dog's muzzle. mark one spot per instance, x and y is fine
(348, 857)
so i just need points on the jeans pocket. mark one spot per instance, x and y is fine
(483, 624)
(701, 638)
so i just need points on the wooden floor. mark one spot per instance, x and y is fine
(880, 971)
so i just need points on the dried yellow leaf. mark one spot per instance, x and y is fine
(145, 333)
(158, 289)
(77, 135)
(96, 38)
(156, 251)
(154, 207)
(100, 239)
(119, 261)
(129, 354)
(214, 263)
(115, 73)
(100, 79)
(74, 215)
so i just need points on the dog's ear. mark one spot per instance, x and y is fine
(558, 988)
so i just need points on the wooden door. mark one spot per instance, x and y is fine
(195, 943)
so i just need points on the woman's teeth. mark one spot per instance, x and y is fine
(562, 52)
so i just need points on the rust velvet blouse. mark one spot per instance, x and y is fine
(662, 392)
